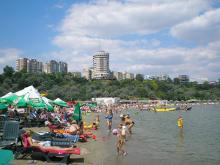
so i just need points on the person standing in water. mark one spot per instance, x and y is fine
(129, 123)
(121, 139)
(108, 117)
(180, 122)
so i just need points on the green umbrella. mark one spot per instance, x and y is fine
(37, 103)
(21, 103)
(3, 106)
(92, 105)
(48, 103)
(77, 113)
(3, 100)
(60, 102)
(10, 99)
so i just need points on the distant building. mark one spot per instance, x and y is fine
(127, 75)
(55, 67)
(46, 68)
(31, 66)
(34, 66)
(117, 75)
(163, 77)
(101, 65)
(183, 79)
(21, 64)
(77, 74)
(63, 67)
(87, 73)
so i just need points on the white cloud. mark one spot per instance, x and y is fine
(105, 25)
(202, 29)
(116, 18)
(8, 57)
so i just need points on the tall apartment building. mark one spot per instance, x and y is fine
(34, 66)
(21, 64)
(101, 65)
(62, 67)
(54, 67)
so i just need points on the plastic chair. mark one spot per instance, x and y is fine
(10, 133)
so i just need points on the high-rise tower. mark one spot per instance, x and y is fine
(101, 65)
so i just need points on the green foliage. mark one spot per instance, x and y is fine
(68, 87)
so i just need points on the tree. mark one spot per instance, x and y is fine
(8, 71)
(139, 77)
(176, 80)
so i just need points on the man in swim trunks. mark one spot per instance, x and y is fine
(129, 122)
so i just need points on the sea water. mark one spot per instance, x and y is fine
(157, 140)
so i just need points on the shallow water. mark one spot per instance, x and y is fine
(157, 140)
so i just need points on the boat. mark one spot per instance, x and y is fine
(165, 109)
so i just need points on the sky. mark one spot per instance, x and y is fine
(151, 37)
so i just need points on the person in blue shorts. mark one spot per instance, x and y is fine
(108, 117)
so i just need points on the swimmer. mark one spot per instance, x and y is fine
(180, 122)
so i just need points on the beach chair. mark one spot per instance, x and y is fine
(3, 118)
(49, 154)
(10, 133)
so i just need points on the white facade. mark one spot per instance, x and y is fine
(87, 73)
(118, 75)
(127, 75)
(101, 65)
(106, 100)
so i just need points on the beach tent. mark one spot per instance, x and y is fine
(60, 102)
(77, 115)
(32, 97)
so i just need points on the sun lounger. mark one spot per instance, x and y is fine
(48, 153)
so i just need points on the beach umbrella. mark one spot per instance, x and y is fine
(60, 102)
(47, 102)
(77, 115)
(20, 102)
(3, 106)
(3, 100)
(10, 98)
